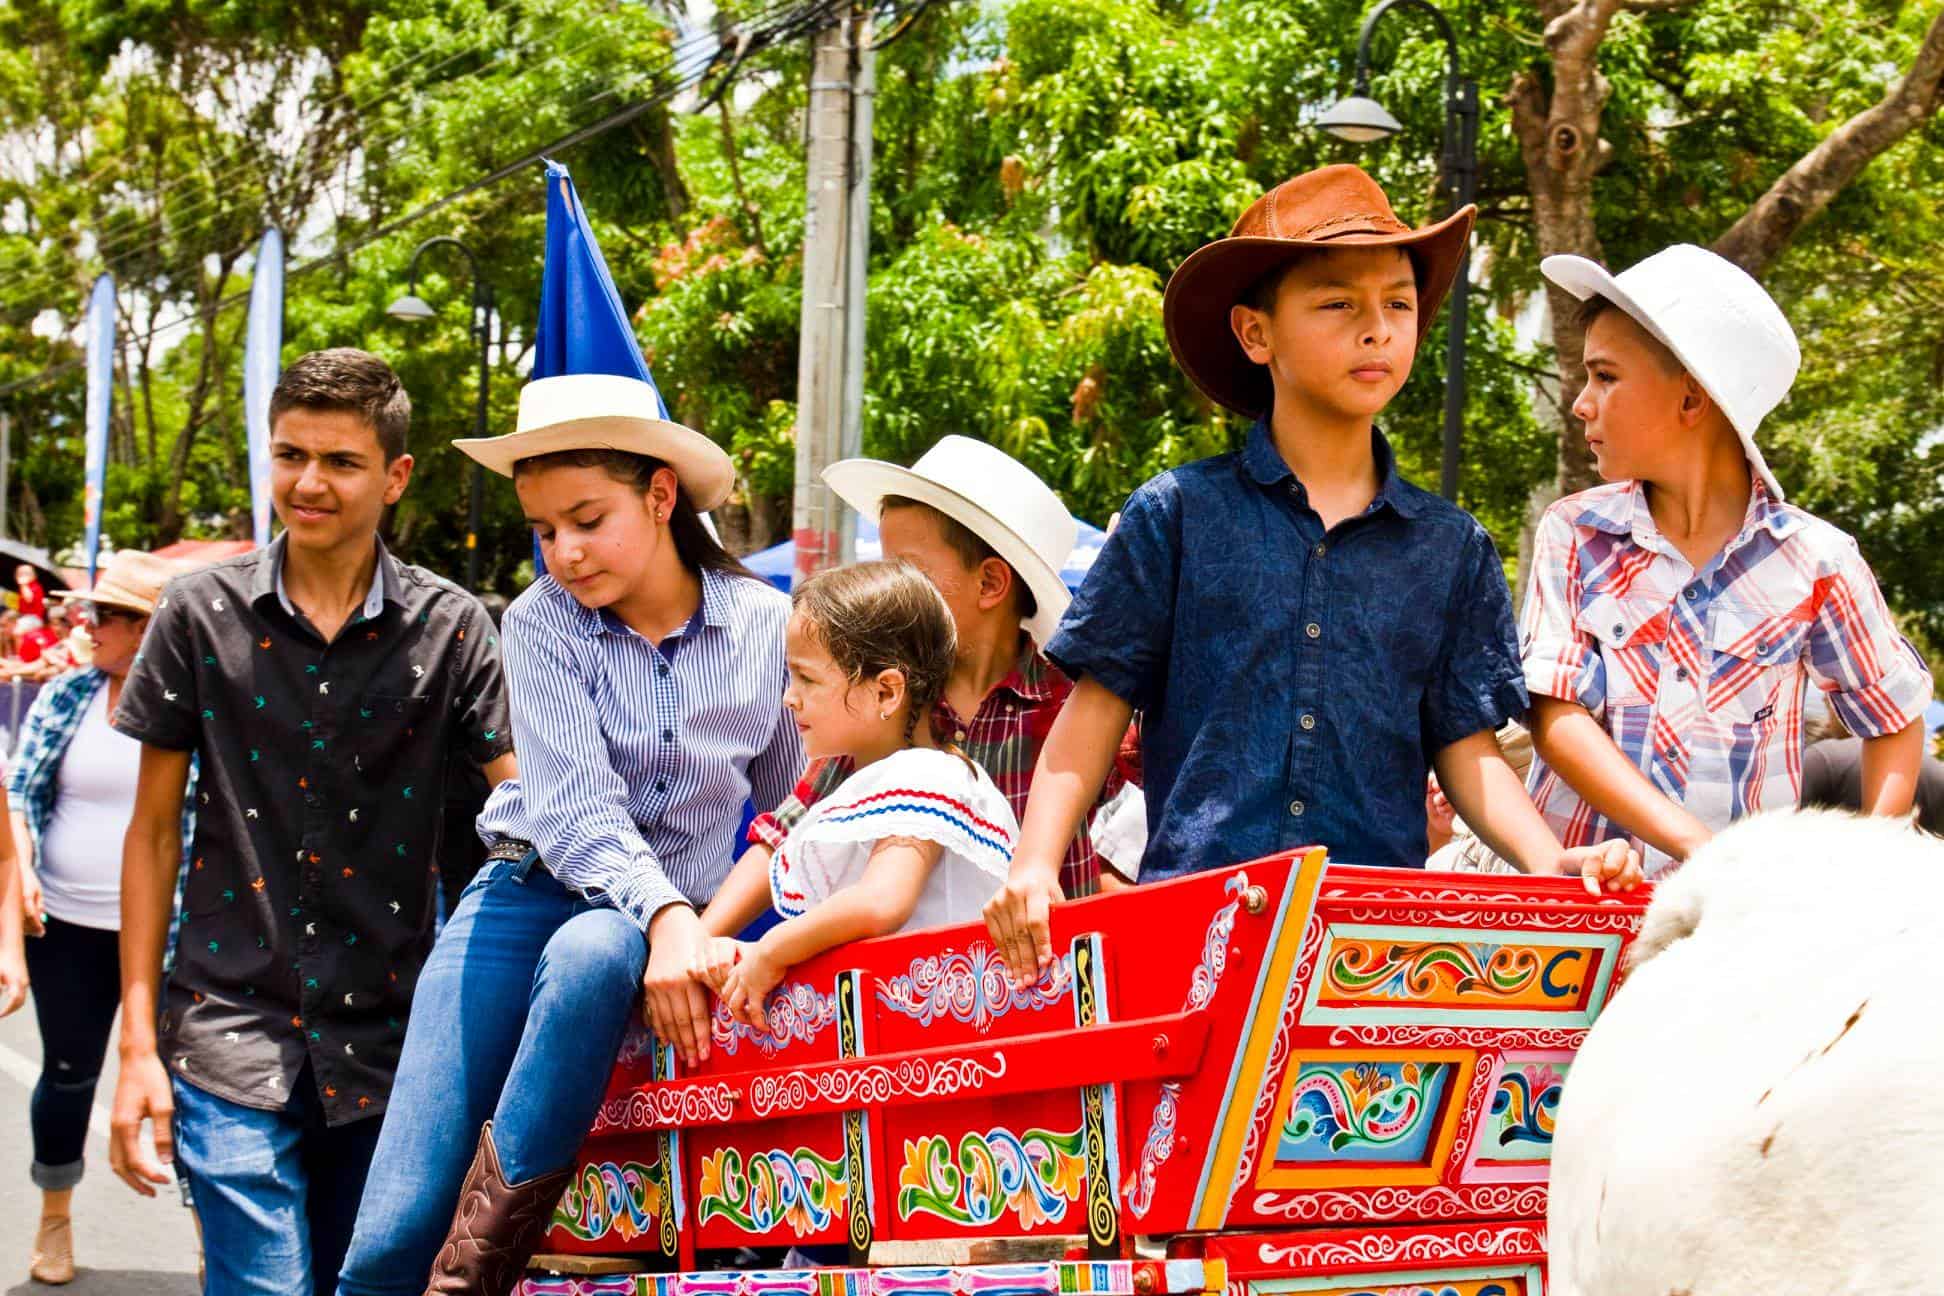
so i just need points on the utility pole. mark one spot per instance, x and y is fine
(830, 361)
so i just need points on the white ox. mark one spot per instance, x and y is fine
(1761, 1106)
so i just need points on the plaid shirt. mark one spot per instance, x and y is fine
(1699, 678)
(1004, 738)
(52, 721)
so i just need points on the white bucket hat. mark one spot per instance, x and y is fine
(1719, 323)
(606, 412)
(994, 496)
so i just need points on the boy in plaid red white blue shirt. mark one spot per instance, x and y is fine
(1677, 614)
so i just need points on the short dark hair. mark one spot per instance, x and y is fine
(353, 381)
(1591, 309)
(965, 542)
(694, 545)
(1596, 306)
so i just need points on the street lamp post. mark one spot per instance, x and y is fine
(414, 308)
(1362, 120)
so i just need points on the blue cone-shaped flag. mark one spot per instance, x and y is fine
(583, 326)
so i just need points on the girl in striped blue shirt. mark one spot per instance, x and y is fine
(645, 675)
(917, 836)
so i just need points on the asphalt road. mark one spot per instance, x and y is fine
(123, 1243)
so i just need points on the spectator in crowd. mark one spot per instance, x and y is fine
(13, 958)
(30, 599)
(1832, 773)
(73, 790)
(1461, 850)
(36, 637)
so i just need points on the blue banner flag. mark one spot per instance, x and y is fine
(101, 386)
(262, 362)
(583, 326)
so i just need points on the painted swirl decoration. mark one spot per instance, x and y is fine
(1525, 1107)
(1364, 1106)
(1438, 969)
(606, 1197)
(797, 1015)
(1155, 1149)
(971, 986)
(801, 1189)
(664, 1106)
(1485, 1242)
(1034, 1175)
(771, 1095)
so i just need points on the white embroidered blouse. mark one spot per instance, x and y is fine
(928, 794)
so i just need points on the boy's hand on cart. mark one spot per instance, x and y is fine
(1605, 866)
(1017, 917)
(674, 1005)
(713, 960)
(749, 983)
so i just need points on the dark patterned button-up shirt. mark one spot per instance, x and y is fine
(308, 908)
(1297, 681)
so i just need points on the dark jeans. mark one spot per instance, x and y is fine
(276, 1191)
(76, 976)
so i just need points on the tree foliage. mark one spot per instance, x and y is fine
(1040, 168)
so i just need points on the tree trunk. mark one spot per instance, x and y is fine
(657, 137)
(1801, 192)
(168, 527)
(733, 156)
(1559, 140)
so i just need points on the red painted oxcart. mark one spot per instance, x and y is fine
(1278, 1077)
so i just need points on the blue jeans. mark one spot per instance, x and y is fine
(276, 1191)
(517, 1017)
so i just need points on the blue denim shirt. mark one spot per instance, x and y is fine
(1296, 682)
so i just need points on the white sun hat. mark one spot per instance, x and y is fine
(606, 412)
(994, 496)
(1719, 323)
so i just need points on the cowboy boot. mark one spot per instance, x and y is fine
(494, 1228)
(53, 1261)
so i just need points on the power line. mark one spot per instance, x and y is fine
(210, 206)
(795, 20)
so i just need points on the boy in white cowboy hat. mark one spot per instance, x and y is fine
(1677, 614)
(992, 537)
(1305, 630)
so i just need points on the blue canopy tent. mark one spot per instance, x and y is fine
(777, 564)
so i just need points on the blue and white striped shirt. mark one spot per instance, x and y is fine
(634, 763)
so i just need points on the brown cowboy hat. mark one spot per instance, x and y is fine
(1334, 206)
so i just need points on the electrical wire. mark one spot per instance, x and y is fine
(796, 20)
(212, 205)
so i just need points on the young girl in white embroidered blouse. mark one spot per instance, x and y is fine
(917, 837)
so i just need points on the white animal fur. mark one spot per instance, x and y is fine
(1761, 1106)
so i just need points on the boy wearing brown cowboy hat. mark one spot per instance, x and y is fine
(1305, 630)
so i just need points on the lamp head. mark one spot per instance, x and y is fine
(410, 307)
(1359, 120)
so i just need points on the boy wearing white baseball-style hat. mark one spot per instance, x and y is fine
(1677, 614)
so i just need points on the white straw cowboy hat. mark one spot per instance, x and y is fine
(1719, 323)
(132, 580)
(994, 496)
(606, 412)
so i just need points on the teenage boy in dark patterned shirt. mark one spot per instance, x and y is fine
(323, 687)
(1306, 631)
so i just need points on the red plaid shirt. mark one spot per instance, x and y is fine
(1004, 738)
